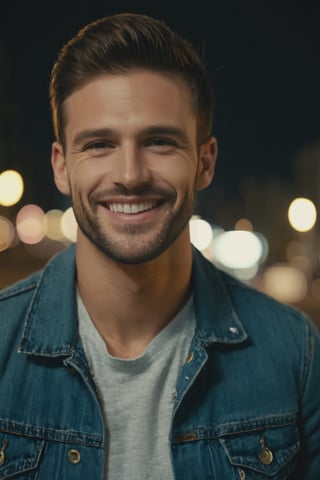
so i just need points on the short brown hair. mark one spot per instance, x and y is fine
(125, 41)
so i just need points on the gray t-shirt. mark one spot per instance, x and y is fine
(137, 396)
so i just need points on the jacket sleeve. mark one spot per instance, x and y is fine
(310, 405)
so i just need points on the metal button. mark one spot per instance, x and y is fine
(190, 357)
(233, 330)
(242, 474)
(74, 456)
(266, 456)
(2, 449)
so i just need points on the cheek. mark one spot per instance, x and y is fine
(182, 180)
(178, 172)
(83, 179)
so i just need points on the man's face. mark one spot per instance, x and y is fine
(131, 163)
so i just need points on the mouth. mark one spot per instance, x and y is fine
(132, 208)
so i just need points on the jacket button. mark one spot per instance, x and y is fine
(190, 357)
(265, 456)
(242, 475)
(74, 456)
(2, 449)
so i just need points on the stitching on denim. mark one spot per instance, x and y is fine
(240, 426)
(17, 290)
(45, 433)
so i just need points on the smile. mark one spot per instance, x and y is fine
(131, 208)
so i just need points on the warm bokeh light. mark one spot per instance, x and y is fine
(237, 249)
(200, 233)
(244, 224)
(30, 224)
(69, 225)
(246, 274)
(302, 214)
(11, 187)
(285, 283)
(7, 233)
(52, 224)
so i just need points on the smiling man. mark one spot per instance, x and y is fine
(131, 162)
(130, 355)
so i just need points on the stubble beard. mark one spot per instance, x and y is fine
(136, 248)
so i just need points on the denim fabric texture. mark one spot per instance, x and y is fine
(247, 398)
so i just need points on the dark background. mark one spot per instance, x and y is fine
(264, 63)
(263, 59)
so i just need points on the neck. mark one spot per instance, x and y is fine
(130, 304)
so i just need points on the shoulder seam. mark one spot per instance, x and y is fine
(17, 290)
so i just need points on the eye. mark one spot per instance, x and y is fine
(98, 148)
(161, 143)
(98, 145)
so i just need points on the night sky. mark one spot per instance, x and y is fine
(263, 59)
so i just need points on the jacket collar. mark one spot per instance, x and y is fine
(217, 319)
(51, 326)
(51, 323)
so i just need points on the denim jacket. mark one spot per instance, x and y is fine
(248, 395)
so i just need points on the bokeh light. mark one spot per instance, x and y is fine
(69, 226)
(285, 283)
(30, 224)
(237, 249)
(11, 187)
(7, 233)
(244, 224)
(200, 233)
(52, 224)
(302, 214)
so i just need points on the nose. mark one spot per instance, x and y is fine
(131, 168)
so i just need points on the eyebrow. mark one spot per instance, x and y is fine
(85, 135)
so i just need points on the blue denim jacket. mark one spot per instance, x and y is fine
(248, 395)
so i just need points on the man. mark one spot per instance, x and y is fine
(130, 355)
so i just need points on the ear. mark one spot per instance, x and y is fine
(207, 162)
(59, 168)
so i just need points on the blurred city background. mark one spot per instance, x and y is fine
(259, 220)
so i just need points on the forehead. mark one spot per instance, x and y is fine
(129, 99)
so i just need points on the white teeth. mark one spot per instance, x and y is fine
(131, 208)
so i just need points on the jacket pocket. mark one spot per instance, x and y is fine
(19, 456)
(265, 453)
